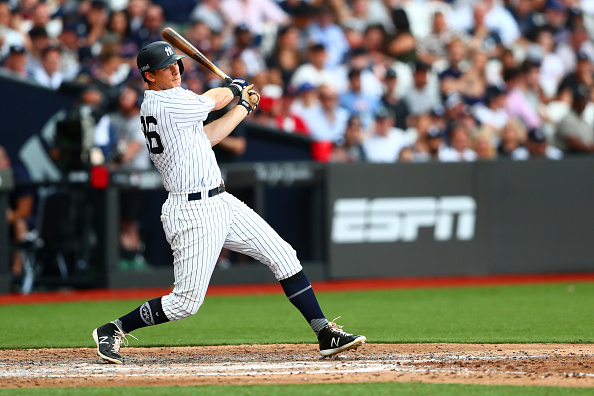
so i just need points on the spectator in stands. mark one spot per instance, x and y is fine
(386, 141)
(486, 38)
(474, 81)
(513, 135)
(255, 13)
(285, 57)
(373, 42)
(491, 16)
(176, 11)
(245, 49)
(578, 46)
(582, 76)
(536, 147)
(356, 102)
(270, 96)
(9, 36)
(422, 96)
(314, 71)
(131, 146)
(153, 24)
(326, 121)
(41, 18)
(16, 62)
(307, 99)
(455, 109)
(39, 42)
(136, 13)
(493, 113)
(110, 77)
(208, 12)
(69, 46)
(324, 31)
(482, 144)
(120, 32)
(285, 120)
(552, 69)
(532, 89)
(406, 154)
(451, 78)
(20, 214)
(516, 102)
(435, 46)
(390, 100)
(351, 150)
(574, 134)
(200, 34)
(459, 149)
(360, 59)
(401, 45)
(435, 145)
(357, 17)
(96, 19)
(50, 75)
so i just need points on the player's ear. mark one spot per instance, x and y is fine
(150, 76)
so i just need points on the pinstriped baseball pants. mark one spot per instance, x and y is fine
(198, 230)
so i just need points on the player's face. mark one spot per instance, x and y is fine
(168, 77)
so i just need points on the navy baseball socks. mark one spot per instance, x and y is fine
(112, 335)
(331, 337)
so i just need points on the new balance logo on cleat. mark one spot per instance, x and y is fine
(109, 338)
(334, 340)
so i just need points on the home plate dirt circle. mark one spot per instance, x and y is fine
(511, 364)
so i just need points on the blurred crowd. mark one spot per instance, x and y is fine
(367, 80)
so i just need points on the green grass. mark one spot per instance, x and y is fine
(375, 389)
(509, 314)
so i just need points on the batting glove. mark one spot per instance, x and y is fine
(236, 86)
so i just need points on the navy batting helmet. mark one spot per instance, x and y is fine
(157, 55)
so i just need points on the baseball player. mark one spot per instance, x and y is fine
(199, 217)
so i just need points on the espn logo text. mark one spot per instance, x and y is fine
(363, 220)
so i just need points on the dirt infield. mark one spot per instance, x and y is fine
(511, 364)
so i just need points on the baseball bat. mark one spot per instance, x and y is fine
(178, 41)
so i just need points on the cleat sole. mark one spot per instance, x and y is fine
(359, 341)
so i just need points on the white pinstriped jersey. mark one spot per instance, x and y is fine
(197, 230)
(172, 121)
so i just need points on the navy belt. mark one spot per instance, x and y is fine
(211, 193)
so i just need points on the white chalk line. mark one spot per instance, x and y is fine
(269, 369)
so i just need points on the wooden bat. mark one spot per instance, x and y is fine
(176, 39)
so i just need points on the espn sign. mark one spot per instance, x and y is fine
(363, 220)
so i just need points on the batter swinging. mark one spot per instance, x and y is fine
(199, 217)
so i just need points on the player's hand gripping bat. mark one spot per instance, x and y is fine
(178, 41)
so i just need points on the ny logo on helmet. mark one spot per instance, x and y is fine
(168, 51)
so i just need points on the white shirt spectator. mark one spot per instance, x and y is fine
(522, 154)
(324, 129)
(308, 73)
(449, 154)
(209, 13)
(498, 19)
(54, 81)
(495, 118)
(385, 148)
(9, 37)
(253, 13)
(552, 71)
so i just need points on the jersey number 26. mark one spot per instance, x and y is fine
(153, 140)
